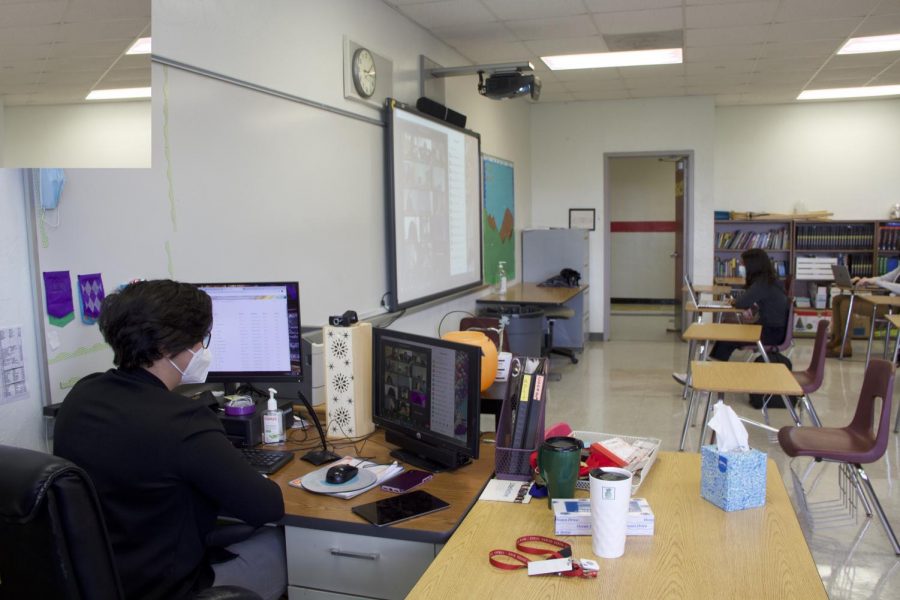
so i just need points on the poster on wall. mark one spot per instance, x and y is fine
(12, 365)
(498, 218)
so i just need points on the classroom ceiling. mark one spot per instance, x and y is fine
(740, 51)
(56, 51)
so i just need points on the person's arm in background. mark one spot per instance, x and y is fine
(751, 296)
(886, 281)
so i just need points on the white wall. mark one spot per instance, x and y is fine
(2, 131)
(21, 423)
(837, 156)
(569, 141)
(642, 189)
(109, 134)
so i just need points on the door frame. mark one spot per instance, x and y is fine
(688, 219)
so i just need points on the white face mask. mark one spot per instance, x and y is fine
(198, 368)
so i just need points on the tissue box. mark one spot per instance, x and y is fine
(573, 517)
(733, 480)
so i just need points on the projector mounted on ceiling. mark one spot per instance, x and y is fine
(509, 85)
(497, 81)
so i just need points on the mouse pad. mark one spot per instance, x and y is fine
(315, 482)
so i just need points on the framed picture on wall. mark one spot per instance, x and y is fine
(582, 218)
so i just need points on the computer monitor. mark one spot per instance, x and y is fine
(255, 332)
(426, 397)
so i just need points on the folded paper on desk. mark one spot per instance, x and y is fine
(733, 475)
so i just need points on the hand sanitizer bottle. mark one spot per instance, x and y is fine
(273, 421)
(501, 277)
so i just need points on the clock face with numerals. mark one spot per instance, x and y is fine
(363, 68)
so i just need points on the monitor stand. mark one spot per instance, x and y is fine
(422, 462)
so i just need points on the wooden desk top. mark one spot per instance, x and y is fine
(894, 319)
(709, 289)
(723, 332)
(880, 300)
(691, 307)
(531, 293)
(698, 550)
(744, 377)
(460, 488)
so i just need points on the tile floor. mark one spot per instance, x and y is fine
(626, 387)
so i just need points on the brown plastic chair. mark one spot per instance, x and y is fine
(811, 379)
(856, 444)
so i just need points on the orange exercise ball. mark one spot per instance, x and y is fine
(488, 352)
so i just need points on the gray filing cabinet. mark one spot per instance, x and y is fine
(546, 252)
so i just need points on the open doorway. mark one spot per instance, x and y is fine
(647, 201)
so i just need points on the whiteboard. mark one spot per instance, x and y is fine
(244, 187)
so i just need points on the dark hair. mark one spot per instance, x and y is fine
(758, 266)
(147, 320)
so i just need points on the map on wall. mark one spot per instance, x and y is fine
(498, 223)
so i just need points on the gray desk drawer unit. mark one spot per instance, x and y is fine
(329, 565)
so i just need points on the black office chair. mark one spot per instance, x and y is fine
(54, 540)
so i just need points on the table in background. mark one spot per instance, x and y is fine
(854, 292)
(568, 333)
(773, 379)
(717, 312)
(717, 332)
(891, 302)
(698, 550)
(331, 551)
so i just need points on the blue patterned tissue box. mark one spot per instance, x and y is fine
(733, 480)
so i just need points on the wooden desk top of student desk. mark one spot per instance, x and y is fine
(744, 377)
(723, 332)
(691, 307)
(698, 550)
(532, 293)
(460, 488)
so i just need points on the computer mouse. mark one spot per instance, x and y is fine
(340, 474)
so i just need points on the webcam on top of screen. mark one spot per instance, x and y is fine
(345, 320)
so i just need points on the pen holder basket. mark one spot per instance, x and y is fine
(515, 463)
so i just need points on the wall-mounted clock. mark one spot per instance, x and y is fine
(363, 70)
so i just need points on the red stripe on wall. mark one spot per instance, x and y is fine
(641, 226)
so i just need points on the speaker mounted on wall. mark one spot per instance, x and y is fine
(436, 109)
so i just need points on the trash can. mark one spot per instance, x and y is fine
(525, 330)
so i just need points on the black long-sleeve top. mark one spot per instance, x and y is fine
(163, 470)
(771, 300)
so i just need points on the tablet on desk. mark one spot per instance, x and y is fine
(400, 508)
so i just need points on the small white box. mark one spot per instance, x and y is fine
(573, 517)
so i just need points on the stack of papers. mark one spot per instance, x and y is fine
(506, 490)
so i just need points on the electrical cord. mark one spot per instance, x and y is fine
(441, 323)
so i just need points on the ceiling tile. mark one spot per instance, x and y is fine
(556, 96)
(86, 78)
(887, 7)
(97, 49)
(534, 9)
(723, 53)
(657, 92)
(638, 21)
(491, 31)
(788, 64)
(800, 10)
(492, 52)
(726, 99)
(812, 30)
(875, 59)
(840, 78)
(706, 79)
(642, 83)
(80, 11)
(38, 34)
(712, 89)
(601, 6)
(720, 67)
(782, 78)
(729, 15)
(447, 13)
(774, 97)
(815, 49)
(589, 76)
(30, 14)
(887, 79)
(607, 85)
(558, 27)
(652, 71)
(15, 52)
(123, 29)
(552, 47)
(724, 36)
(879, 25)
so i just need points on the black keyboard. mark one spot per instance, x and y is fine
(266, 461)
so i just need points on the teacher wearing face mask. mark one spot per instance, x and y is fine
(160, 461)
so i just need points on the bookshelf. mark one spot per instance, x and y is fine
(733, 237)
(887, 253)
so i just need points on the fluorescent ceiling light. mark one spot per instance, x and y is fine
(854, 92)
(874, 43)
(119, 94)
(141, 46)
(602, 60)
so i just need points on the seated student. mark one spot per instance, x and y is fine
(160, 461)
(765, 293)
(840, 304)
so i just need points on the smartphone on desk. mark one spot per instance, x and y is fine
(406, 481)
(400, 508)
